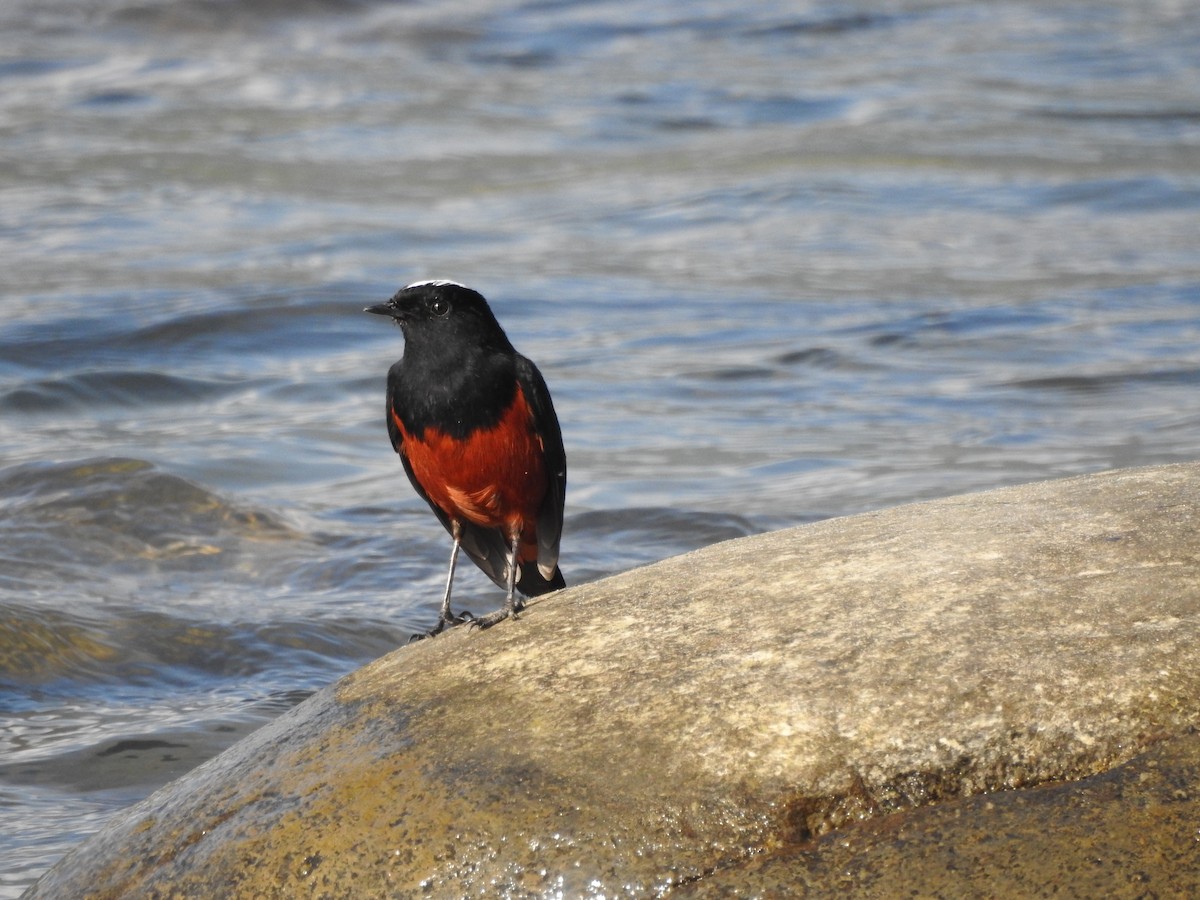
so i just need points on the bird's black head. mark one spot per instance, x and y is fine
(445, 312)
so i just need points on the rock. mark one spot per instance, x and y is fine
(1129, 832)
(704, 721)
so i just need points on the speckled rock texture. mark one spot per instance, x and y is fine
(1131, 832)
(728, 722)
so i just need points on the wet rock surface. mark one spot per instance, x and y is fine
(720, 720)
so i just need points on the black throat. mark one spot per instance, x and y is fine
(455, 394)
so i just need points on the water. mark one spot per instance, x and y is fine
(777, 261)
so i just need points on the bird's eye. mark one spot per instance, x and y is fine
(438, 306)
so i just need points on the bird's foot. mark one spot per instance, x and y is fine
(504, 612)
(446, 622)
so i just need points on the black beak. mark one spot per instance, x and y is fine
(382, 309)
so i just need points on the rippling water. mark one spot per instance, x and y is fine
(777, 261)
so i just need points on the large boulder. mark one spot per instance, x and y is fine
(724, 716)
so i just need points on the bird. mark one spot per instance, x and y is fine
(475, 428)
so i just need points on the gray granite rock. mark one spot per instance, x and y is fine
(707, 718)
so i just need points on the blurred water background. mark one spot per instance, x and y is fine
(778, 261)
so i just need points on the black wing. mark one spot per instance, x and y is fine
(550, 516)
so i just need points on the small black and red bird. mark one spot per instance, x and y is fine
(475, 428)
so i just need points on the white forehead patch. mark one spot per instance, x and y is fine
(434, 282)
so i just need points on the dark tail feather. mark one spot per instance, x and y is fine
(532, 584)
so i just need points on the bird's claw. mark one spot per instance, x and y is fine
(444, 623)
(492, 618)
(472, 620)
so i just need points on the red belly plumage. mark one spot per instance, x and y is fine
(495, 477)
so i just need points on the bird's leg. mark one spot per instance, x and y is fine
(509, 609)
(510, 602)
(446, 618)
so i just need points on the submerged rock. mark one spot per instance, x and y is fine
(702, 722)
